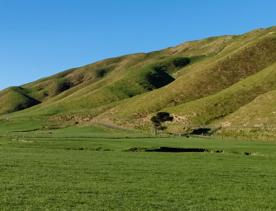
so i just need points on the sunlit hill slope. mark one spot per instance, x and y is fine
(227, 83)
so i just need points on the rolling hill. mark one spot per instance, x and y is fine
(226, 82)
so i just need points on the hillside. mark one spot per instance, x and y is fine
(255, 119)
(15, 99)
(214, 82)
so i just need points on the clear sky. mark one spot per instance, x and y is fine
(42, 37)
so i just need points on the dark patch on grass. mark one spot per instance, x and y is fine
(173, 149)
(159, 78)
(136, 149)
(249, 153)
(166, 149)
(60, 85)
(184, 150)
(219, 151)
(25, 131)
(201, 131)
(181, 62)
(244, 153)
(101, 73)
(87, 149)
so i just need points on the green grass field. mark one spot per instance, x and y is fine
(94, 168)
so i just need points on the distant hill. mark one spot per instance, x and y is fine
(226, 82)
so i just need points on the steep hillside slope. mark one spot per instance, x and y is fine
(219, 105)
(201, 83)
(93, 98)
(78, 89)
(15, 99)
(58, 86)
(136, 81)
(73, 79)
(205, 78)
(256, 119)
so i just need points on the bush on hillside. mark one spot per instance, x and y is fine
(59, 86)
(181, 62)
(159, 119)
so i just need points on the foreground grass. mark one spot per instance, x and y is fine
(99, 173)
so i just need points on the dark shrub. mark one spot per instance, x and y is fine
(160, 118)
(181, 62)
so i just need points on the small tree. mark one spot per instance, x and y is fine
(160, 118)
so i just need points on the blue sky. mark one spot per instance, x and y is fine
(42, 37)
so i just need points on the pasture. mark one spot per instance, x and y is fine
(94, 168)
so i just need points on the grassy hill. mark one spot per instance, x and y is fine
(256, 119)
(216, 106)
(15, 99)
(209, 82)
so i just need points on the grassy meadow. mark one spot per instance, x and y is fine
(96, 168)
